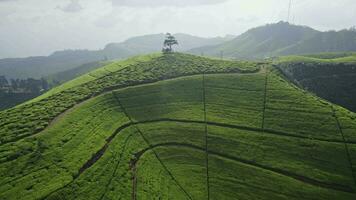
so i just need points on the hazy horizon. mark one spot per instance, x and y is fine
(40, 27)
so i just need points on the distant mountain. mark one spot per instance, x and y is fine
(153, 43)
(281, 39)
(37, 67)
(64, 76)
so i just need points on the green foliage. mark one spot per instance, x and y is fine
(23, 120)
(331, 76)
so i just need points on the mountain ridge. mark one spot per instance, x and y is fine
(280, 39)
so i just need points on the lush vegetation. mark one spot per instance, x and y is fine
(16, 91)
(331, 55)
(25, 120)
(9, 100)
(331, 76)
(214, 130)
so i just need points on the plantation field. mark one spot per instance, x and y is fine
(30, 118)
(179, 127)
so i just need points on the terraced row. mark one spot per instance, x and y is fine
(224, 136)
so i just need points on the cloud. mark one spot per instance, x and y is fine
(28, 27)
(161, 3)
(72, 7)
(7, 1)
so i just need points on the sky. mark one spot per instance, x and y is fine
(40, 27)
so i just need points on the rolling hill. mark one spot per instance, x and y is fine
(66, 65)
(178, 126)
(282, 39)
(42, 66)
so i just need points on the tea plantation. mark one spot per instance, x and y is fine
(177, 126)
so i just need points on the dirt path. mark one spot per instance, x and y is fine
(264, 100)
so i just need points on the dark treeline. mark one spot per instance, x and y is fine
(29, 85)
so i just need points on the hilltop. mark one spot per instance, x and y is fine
(66, 65)
(178, 126)
(60, 61)
(282, 39)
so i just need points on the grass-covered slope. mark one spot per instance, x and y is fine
(331, 76)
(32, 117)
(183, 127)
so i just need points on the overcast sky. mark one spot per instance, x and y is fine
(39, 27)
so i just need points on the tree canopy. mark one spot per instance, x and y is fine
(169, 42)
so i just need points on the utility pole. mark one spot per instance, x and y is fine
(222, 55)
(289, 9)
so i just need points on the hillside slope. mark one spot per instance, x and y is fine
(178, 127)
(331, 76)
(282, 39)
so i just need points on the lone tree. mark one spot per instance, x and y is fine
(168, 43)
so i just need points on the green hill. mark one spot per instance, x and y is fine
(282, 39)
(177, 126)
(331, 76)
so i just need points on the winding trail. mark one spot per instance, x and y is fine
(116, 167)
(133, 165)
(264, 100)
